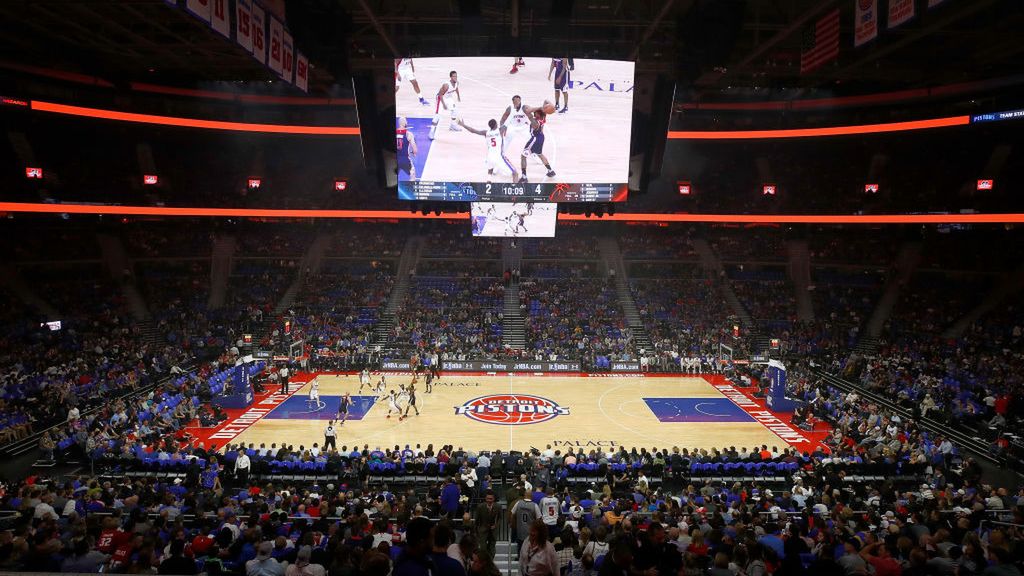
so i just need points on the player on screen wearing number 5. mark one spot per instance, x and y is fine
(447, 97)
(495, 143)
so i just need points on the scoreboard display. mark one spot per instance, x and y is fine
(552, 129)
(511, 192)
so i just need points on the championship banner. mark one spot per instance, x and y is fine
(274, 56)
(201, 8)
(259, 33)
(287, 58)
(900, 11)
(243, 24)
(865, 24)
(219, 19)
(301, 72)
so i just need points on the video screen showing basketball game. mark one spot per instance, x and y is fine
(503, 129)
(514, 220)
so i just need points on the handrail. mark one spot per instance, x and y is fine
(928, 424)
(33, 438)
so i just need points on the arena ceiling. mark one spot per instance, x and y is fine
(716, 49)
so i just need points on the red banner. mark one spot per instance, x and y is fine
(287, 58)
(900, 11)
(219, 19)
(201, 8)
(301, 72)
(243, 24)
(259, 33)
(274, 55)
(865, 24)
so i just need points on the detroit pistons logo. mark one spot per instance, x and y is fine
(511, 409)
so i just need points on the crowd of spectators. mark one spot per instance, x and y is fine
(573, 318)
(459, 317)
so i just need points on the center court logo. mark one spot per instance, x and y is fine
(511, 409)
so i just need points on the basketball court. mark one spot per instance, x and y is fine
(586, 144)
(517, 412)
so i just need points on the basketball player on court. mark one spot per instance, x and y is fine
(430, 380)
(314, 394)
(381, 385)
(535, 145)
(393, 404)
(516, 64)
(364, 378)
(560, 67)
(447, 97)
(495, 148)
(405, 147)
(411, 403)
(406, 71)
(515, 121)
(346, 403)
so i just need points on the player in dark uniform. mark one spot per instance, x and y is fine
(405, 147)
(430, 380)
(346, 402)
(535, 145)
(560, 67)
(411, 391)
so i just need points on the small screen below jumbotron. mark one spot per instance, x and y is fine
(509, 129)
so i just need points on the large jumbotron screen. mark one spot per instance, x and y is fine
(471, 129)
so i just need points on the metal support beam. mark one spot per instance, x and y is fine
(652, 27)
(380, 29)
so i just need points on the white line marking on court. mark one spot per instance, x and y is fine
(699, 404)
(600, 406)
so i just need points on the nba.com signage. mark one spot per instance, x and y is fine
(625, 366)
(511, 409)
(490, 366)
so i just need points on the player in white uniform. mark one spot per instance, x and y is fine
(404, 70)
(495, 159)
(364, 378)
(314, 394)
(447, 97)
(393, 404)
(515, 122)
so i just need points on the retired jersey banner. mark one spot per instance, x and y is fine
(900, 11)
(219, 18)
(301, 72)
(274, 55)
(259, 33)
(200, 8)
(865, 24)
(243, 24)
(287, 58)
